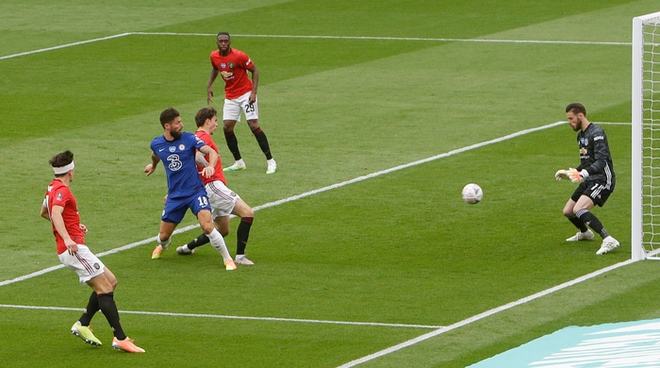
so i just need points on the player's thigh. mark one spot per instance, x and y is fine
(102, 284)
(584, 203)
(242, 209)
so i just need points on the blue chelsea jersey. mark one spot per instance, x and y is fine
(178, 158)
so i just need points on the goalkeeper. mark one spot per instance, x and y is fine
(596, 176)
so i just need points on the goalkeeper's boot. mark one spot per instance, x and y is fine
(587, 235)
(126, 345)
(608, 245)
(85, 333)
(230, 265)
(184, 251)
(238, 165)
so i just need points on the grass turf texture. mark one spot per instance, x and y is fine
(401, 248)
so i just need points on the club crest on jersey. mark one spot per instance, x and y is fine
(172, 149)
(232, 65)
(182, 147)
(584, 142)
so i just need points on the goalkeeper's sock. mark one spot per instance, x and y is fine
(591, 220)
(578, 223)
(198, 241)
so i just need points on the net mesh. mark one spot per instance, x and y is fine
(651, 136)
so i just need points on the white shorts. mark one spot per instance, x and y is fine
(232, 108)
(84, 263)
(222, 199)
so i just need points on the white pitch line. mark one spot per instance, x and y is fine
(483, 315)
(64, 46)
(377, 38)
(307, 194)
(321, 37)
(219, 316)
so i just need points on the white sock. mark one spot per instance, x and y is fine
(218, 242)
(166, 244)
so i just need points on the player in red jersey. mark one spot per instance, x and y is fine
(223, 200)
(60, 208)
(240, 94)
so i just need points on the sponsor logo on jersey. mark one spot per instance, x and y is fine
(600, 137)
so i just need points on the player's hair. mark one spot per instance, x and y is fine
(61, 159)
(223, 33)
(203, 114)
(168, 115)
(576, 108)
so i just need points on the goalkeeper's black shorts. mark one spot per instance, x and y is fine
(597, 191)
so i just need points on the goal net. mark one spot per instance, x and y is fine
(646, 137)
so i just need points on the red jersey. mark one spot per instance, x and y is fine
(59, 194)
(219, 174)
(233, 68)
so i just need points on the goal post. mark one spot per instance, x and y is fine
(645, 201)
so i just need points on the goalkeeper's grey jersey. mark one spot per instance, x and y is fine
(595, 156)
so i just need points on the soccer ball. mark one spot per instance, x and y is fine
(472, 193)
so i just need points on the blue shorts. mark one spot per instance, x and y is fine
(175, 209)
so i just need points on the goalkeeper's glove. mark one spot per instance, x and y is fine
(572, 174)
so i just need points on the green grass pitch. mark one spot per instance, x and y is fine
(347, 89)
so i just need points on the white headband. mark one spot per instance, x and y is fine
(64, 169)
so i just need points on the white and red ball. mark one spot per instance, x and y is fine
(472, 193)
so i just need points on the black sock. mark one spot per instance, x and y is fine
(263, 142)
(593, 222)
(90, 310)
(232, 144)
(198, 241)
(578, 223)
(109, 309)
(243, 233)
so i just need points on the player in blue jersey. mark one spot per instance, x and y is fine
(185, 189)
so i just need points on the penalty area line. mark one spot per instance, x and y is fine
(65, 46)
(219, 316)
(321, 37)
(310, 193)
